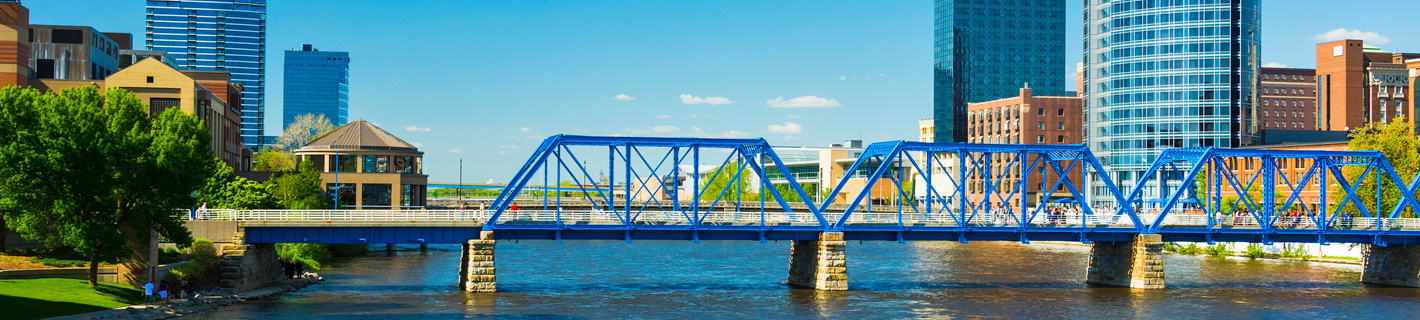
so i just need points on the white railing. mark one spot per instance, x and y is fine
(805, 218)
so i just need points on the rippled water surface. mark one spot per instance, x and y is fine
(665, 279)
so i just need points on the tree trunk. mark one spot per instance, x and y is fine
(94, 268)
(4, 233)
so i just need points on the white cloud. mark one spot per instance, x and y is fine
(842, 77)
(624, 97)
(880, 74)
(665, 129)
(456, 150)
(507, 147)
(734, 134)
(695, 128)
(1344, 34)
(502, 152)
(786, 128)
(689, 99)
(523, 129)
(803, 102)
(416, 128)
(793, 116)
(664, 116)
(1274, 65)
(417, 144)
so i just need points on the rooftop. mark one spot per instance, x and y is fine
(359, 135)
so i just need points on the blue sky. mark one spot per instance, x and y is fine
(486, 81)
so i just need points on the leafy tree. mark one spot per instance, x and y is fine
(1396, 139)
(225, 190)
(713, 186)
(305, 128)
(96, 171)
(299, 190)
(274, 159)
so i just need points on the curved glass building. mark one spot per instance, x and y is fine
(1164, 74)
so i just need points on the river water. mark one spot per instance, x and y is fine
(743, 280)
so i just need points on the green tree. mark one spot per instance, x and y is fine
(225, 190)
(273, 159)
(299, 190)
(1396, 139)
(713, 186)
(96, 171)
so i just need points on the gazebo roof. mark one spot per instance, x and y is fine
(359, 135)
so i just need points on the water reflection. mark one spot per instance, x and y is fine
(614, 279)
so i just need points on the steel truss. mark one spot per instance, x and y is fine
(629, 163)
(1256, 215)
(988, 164)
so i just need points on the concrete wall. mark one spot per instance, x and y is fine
(109, 274)
(217, 231)
(1136, 264)
(1395, 265)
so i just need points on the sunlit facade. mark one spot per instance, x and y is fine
(1167, 74)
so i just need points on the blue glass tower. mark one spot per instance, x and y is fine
(217, 35)
(989, 50)
(1168, 74)
(316, 82)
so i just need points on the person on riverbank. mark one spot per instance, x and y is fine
(201, 212)
(163, 291)
(182, 289)
(148, 293)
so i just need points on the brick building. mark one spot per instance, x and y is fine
(1359, 84)
(1025, 119)
(1287, 99)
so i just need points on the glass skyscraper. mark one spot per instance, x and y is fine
(1167, 74)
(217, 35)
(988, 50)
(316, 82)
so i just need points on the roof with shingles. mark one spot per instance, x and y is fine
(359, 135)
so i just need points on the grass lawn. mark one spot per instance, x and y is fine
(44, 298)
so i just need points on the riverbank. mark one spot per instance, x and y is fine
(204, 301)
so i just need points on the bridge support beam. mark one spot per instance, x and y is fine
(1135, 264)
(819, 264)
(476, 272)
(1392, 265)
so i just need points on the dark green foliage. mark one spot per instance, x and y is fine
(225, 190)
(95, 172)
(1254, 251)
(299, 190)
(309, 254)
(204, 257)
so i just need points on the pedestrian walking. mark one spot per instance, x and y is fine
(182, 290)
(201, 213)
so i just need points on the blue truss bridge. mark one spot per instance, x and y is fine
(658, 189)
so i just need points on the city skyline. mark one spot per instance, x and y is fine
(756, 55)
(216, 35)
(316, 82)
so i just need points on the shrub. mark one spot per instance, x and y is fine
(1191, 249)
(204, 255)
(59, 263)
(1219, 250)
(1255, 251)
(1297, 253)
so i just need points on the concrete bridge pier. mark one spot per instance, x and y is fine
(476, 272)
(1392, 265)
(1136, 264)
(819, 264)
(391, 248)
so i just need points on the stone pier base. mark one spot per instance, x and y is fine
(1137, 264)
(476, 272)
(1393, 266)
(819, 264)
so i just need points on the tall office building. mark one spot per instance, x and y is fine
(1167, 74)
(217, 35)
(987, 51)
(316, 82)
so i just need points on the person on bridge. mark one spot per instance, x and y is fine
(513, 208)
(201, 212)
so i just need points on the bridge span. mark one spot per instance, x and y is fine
(980, 194)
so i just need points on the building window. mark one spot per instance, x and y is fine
(1039, 139)
(1060, 126)
(156, 106)
(1040, 125)
(1060, 112)
(376, 164)
(346, 163)
(150, 79)
(67, 36)
(375, 194)
(345, 195)
(403, 164)
(1040, 111)
(406, 195)
(1059, 139)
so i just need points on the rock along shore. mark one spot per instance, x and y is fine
(203, 302)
